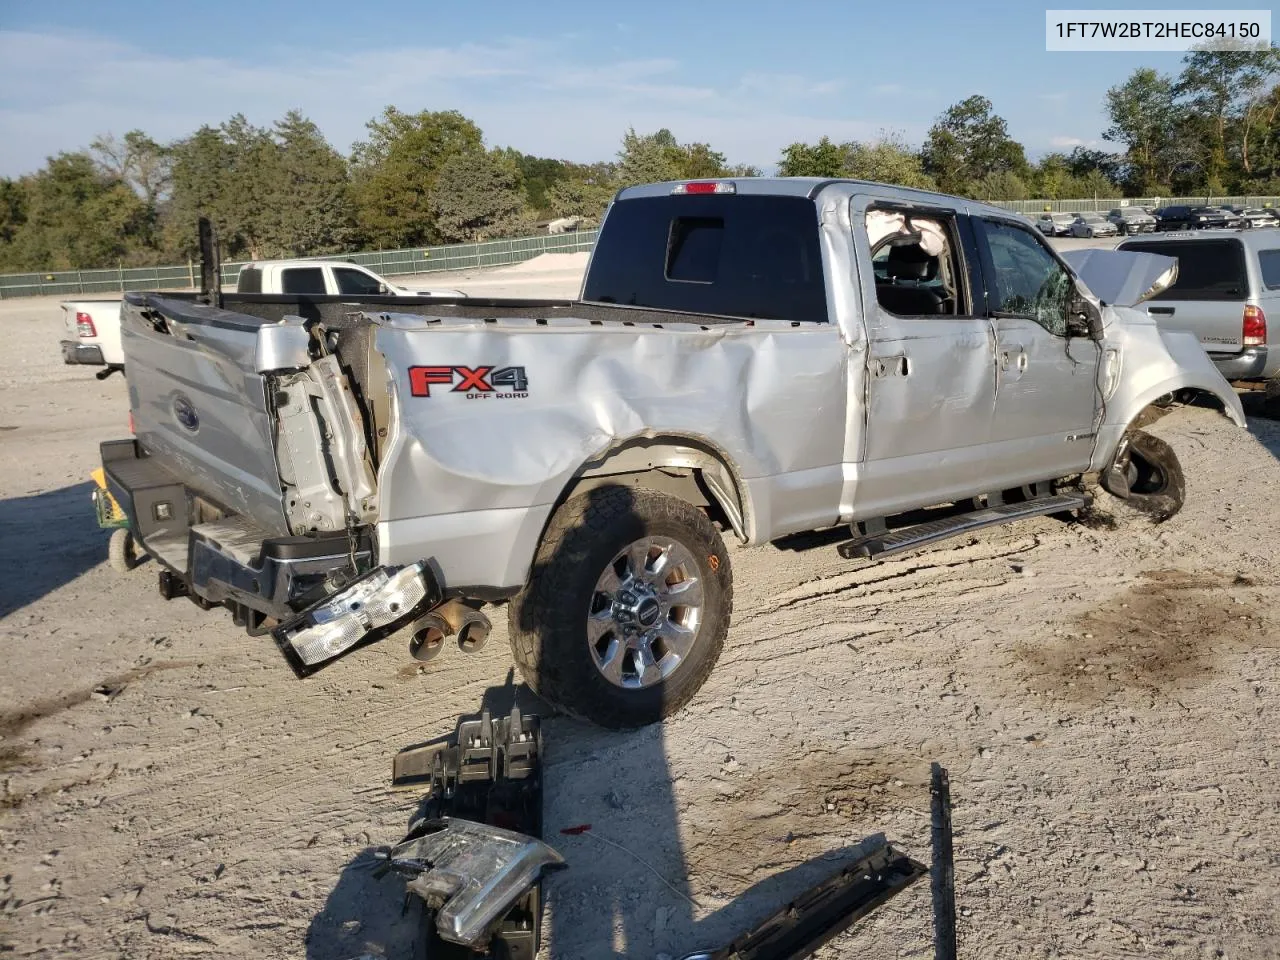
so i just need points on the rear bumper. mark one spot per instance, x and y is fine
(226, 560)
(86, 353)
(1249, 364)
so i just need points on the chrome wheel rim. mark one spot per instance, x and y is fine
(644, 613)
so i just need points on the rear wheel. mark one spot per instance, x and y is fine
(626, 608)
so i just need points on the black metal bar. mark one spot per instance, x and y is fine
(943, 875)
(210, 265)
(818, 915)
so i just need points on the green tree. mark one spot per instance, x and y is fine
(538, 174)
(822, 159)
(1141, 111)
(886, 160)
(394, 172)
(479, 196)
(71, 215)
(13, 211)
(306, 203)
(967, 143)
(585, 192)
(137, 160)
(223, 173)
(651, 158)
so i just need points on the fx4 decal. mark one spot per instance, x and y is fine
(476, 382)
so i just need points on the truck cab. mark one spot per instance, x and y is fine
(324, 278)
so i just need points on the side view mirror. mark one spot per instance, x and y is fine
(1079, 317)
(383, 289)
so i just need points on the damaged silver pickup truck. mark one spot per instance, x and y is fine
(760, 356)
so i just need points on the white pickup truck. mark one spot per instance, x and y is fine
(91, 328)
(754, 356)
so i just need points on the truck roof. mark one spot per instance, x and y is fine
(811, 186)
(303, 262)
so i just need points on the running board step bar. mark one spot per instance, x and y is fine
(888, 542)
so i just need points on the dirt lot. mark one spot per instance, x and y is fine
(1104, 698)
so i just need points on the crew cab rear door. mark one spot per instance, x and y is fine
(930, 369)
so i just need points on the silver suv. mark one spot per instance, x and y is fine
(1228, 283)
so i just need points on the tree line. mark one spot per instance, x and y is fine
(428, 177)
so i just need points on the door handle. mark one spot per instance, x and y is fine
(1013, 356)
(1161, 311)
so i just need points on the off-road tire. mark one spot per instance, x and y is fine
(1155, 482)
(547, 619)
(122, 552)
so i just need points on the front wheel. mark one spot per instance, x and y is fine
(626, 608)
(1146, 474)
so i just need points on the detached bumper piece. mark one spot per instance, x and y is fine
(471, 875)
(825, 911)
(354, 614)
(490, 773)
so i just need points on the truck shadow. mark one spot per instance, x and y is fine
(46, 540)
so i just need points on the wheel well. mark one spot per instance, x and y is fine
(680, 468)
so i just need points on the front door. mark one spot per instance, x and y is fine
(1046, 381)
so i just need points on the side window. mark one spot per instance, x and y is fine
(1026, 280)
(916, 262)
(308, 280)
(1269, 260)
(355, 281)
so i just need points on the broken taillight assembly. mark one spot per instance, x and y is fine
(337, 623)
(1255, 327)
(84, 325)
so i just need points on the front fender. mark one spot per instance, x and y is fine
(1141, 363)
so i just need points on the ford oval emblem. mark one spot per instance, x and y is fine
(185, 414)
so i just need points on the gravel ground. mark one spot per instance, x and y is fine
(1103, 695)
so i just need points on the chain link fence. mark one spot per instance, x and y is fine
(463, 256)
(389, 263)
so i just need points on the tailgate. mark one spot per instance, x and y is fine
(1208, 298)
(200, 406)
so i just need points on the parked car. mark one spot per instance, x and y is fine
(739, 361)
(1092, 225)
(1180, 217)
(92, 327)
(1055, 224)
(1227, 285)
(91, 334)
(1129, 220)
(1257, 217)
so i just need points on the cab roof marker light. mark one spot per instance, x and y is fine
(705, 186)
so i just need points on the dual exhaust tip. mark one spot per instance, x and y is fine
(454, 618)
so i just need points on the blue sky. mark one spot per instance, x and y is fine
(562, 79)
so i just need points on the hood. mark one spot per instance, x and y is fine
(1122, 277)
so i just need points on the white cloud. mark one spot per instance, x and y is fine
(1067, 143)
(57, 91)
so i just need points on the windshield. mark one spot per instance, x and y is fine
(1091, 217)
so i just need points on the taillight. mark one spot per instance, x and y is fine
(1255, 327)
(705, 186)
(131, 430)
(84, 325)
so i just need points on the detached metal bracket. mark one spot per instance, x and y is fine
(944, 866)
(825, 911)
